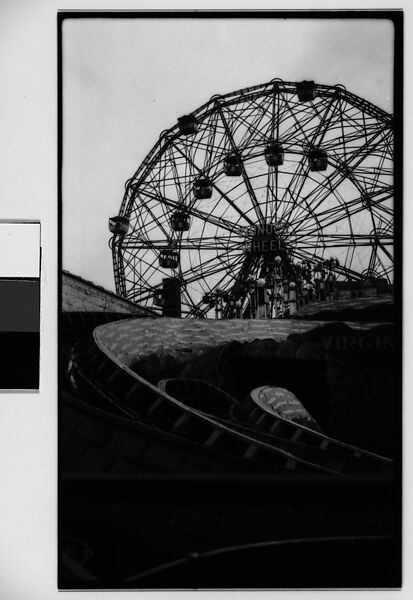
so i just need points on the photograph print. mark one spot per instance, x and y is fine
(230, 300)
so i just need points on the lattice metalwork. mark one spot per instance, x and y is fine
(317, 166)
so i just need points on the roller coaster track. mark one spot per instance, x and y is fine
(247, 443)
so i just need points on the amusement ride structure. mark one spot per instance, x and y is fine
(258, 202)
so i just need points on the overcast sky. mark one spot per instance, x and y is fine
(126, 80)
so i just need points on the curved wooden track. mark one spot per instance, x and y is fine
(263, 444)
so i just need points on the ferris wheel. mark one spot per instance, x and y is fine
(276, 175)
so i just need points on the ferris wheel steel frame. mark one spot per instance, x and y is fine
(345, 209)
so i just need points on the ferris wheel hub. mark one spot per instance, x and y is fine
(265, 239)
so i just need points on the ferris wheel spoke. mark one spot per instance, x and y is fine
(266, 107)
(199, 268)
(149, 267)
(296, 129)
(128, 260)
(151, 225)
(382, 246)
(245, 177)
(208, 268)
(211, 147)
(176, 177)
(310, 214)
(373, 259)
(385, 225)
(354, 160)
(382, 269)
(388, 145)
(226, 278)
(376, 264)
(321, 192)
(196, 212)
(294, 189)
(344, 242)
(325, 119)
(210, 273)
(335, 215)
(376, 174)
(299, 127)
(222, 194)
(304, 213)
(271, 194)
(154, 218)
(134, 281)
(258, 113)
(343, 205)
(187, 296)
(338, 176)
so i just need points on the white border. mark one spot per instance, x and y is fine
(28, 191)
